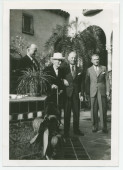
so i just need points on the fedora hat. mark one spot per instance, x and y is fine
(57, 56)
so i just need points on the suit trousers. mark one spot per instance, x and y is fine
(71, 103)
(99, 102)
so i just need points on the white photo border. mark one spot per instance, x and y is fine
(115, 82)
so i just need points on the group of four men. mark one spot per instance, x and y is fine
(68, 82)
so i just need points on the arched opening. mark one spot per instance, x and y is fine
(94, 40)
(85, 43)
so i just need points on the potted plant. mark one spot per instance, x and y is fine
(32, 82)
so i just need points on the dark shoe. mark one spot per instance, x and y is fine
(94, 130)
(78, 132)
(104, 130)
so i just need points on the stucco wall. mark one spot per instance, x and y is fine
(44, 22)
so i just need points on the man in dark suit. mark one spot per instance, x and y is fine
(97, 86)
(29, 60)
(73, 94)
(55, 79)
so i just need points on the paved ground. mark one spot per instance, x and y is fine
(97, 145)
(93, 146)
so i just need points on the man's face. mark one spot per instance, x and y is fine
(32, 51)
(95, 60)
(72, 58)
(56, 63)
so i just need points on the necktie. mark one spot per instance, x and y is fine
(35, 65)
(96, 70)
(73, 71)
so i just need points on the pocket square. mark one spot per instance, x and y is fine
(79, 74)
(103, 72)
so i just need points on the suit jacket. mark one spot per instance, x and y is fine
(75, 84)
(26, 63)
(53, 78)
(94, 82)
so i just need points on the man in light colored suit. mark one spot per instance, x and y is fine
(97, 86)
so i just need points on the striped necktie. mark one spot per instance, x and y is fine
(73, 71)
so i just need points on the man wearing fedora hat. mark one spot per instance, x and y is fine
(55, 74)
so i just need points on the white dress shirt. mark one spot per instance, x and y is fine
(56, 70)
(96, 68)
(30, 57)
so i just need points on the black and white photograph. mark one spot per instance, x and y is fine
(61, 104)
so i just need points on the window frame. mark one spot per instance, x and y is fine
(31, 31)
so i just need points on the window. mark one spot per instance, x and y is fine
(27, 24)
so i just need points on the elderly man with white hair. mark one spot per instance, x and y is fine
(55, 73)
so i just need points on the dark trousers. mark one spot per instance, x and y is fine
(71, 103)
(99, 102)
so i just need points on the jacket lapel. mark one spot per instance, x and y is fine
(53, 71)
(94, 72)
(100, 70)
(69, 72)
(76, 72)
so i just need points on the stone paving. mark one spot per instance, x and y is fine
(97, 145)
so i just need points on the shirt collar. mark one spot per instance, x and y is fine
(96, 67)
(72, 66)
(56, 69)
(30, 57)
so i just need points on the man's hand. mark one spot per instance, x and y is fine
(54, 86)
(81, 97)
(61, 91)
(65, 82)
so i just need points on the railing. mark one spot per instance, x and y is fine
(24, 108)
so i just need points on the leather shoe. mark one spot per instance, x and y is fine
(78, 132)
